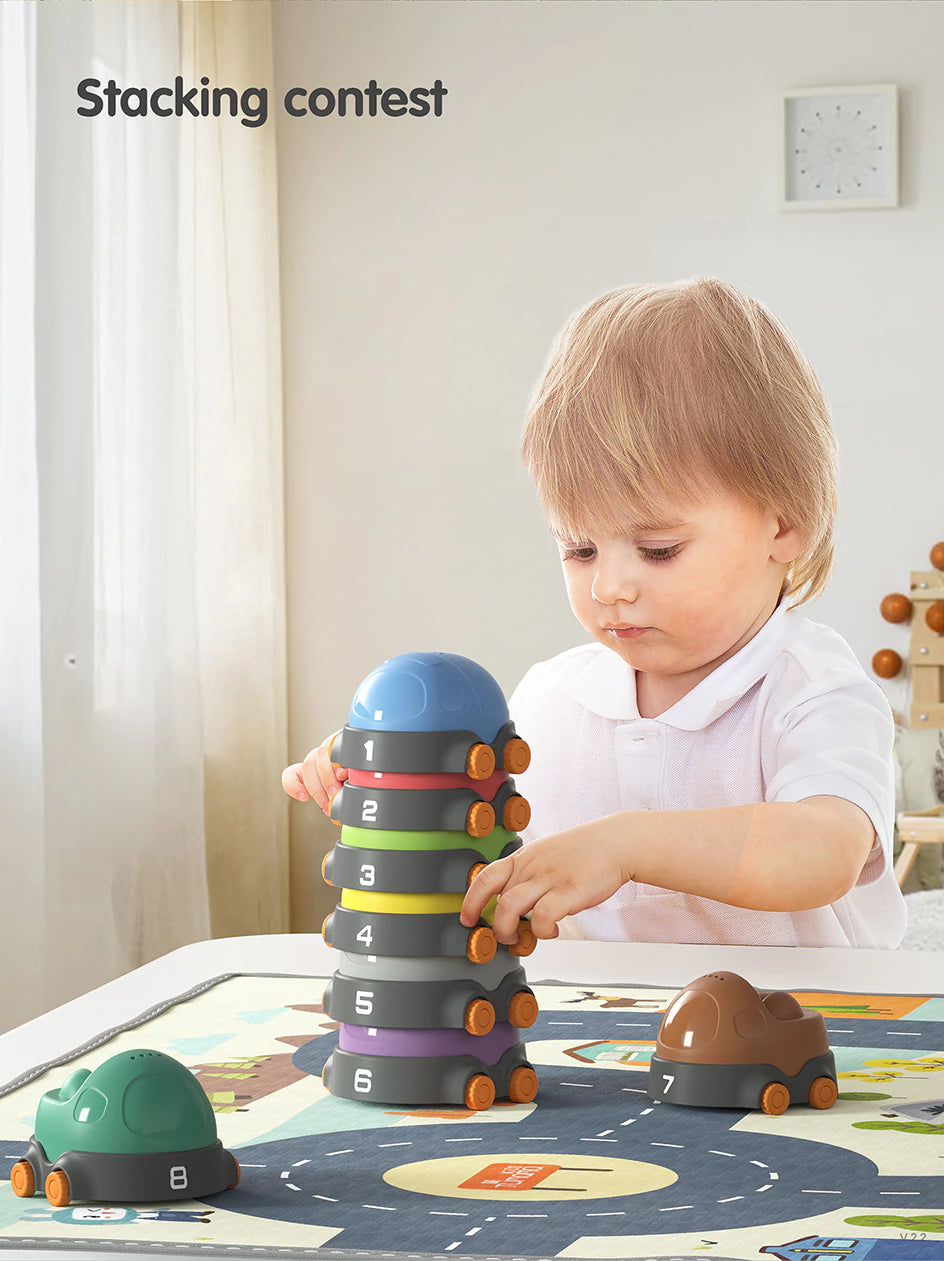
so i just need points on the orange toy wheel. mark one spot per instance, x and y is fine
(774, 1098)
(481, 946)
(823, 1093)
(480, 762)
(324, 930)
(22, 1179)
(479, 1092)
(523, 1084)
(235, 1184)
(473, 872)
(480, 820)
(58, 1192)
(523, 1010)
(516, 814)
(479, 1017)
(516, 757)
(324, 863)
(526, 939)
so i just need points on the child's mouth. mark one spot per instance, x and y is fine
(628, 632)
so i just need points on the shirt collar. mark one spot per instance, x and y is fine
(607, 685)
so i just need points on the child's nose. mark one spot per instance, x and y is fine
(613, 585)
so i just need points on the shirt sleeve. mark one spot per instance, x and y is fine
(835, 738)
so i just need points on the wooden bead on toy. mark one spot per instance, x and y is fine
(886, 663)
(937, 556)
(935, 616)
(896, 607)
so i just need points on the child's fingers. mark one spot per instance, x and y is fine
(485, 885)
(513, 903)
(321, 778)
(548, 912)
(293, 783)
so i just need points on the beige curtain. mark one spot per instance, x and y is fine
(231, 313)
(142, 671)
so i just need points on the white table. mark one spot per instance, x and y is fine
(68, 1027)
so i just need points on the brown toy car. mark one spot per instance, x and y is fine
(724, 1044)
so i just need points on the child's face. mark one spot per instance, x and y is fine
(696, 585)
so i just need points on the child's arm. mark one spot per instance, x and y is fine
(773, 856)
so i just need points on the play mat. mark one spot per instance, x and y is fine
(592, 1168)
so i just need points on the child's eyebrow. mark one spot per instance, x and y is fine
(638, 527)
(653, 527)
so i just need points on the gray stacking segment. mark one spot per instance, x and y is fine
(429, 809)
(372, 932)
(431, 1004)
(430, 752)
(430, 1079)
(404, 871)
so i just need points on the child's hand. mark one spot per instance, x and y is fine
(553, 877)
(316, 777)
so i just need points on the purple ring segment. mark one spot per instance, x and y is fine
(488, 1048)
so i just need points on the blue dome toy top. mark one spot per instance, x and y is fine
(430, 691)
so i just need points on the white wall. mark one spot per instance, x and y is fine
(429, 262)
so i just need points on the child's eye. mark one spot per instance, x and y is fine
(660, 553)
(579, 552)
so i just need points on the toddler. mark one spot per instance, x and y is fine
(713, 766)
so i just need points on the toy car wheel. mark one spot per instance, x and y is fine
(232, 1186)
(774, 1098)
(479, 1092)
(480, 821)
(526, 939)
(22, 1178)
(481, 946)
(58, 1192)
(480, 762)
(823, 1093)
(324, 863)
(473, 872)
(523, 1010)
(523, 1084)
(324, 934)
(516, 814)
(479, 1017)
(516, 756)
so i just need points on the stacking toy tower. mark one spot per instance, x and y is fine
(430, 1010)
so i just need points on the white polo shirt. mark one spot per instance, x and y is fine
(791, 715)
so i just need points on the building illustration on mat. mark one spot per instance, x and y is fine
(430, 1011)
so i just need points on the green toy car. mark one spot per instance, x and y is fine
(138, 1128)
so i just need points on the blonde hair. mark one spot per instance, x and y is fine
(694, 387)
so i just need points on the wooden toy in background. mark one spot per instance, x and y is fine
(430, 1011)
(924, 608)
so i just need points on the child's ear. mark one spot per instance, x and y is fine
(787, 544)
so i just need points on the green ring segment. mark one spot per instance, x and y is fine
(490, 847)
